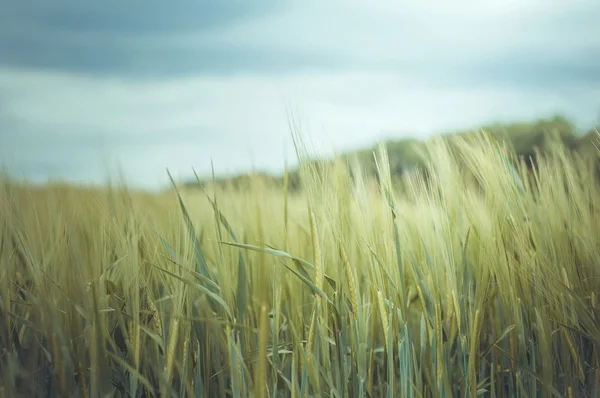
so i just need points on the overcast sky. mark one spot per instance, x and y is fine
(87, 86)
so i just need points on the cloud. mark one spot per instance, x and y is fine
(115, 37)
(153, 86)
(150, 40)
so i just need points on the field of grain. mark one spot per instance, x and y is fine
(480, 280)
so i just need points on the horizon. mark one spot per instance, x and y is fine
(87, 90)
(117, 178)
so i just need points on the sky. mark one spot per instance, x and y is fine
(90, 89)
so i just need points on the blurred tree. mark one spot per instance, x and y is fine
(406, 154)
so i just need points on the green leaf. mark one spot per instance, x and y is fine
(201, 288)
(309, 283)
(242, 288)
(198, 253)
(280, 253)
(506, 331)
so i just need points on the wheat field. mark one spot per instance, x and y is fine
(479, 277)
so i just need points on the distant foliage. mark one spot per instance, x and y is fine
(526, 139)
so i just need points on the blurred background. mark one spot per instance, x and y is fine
(88, 89)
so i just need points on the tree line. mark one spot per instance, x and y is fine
(526, 138)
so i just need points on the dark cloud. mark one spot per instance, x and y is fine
(99, 38)
(154, 39)
(113, 18)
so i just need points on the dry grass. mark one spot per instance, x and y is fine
(482, 279)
